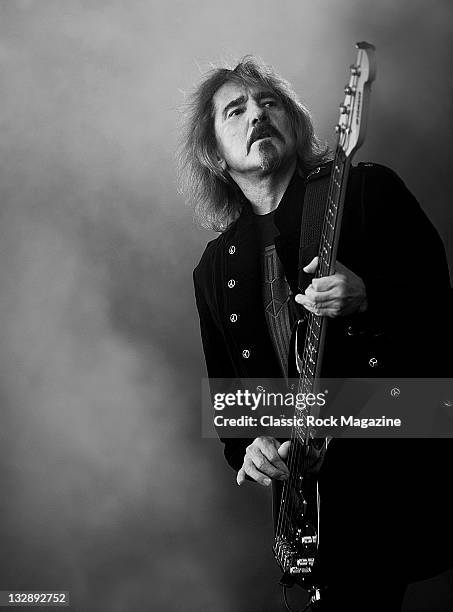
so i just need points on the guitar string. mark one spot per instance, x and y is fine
(323, 269)
(313, 335)
(299, 448)
(295, 452)
(316, 324)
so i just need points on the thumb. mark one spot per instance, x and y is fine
(283, 450)
(311, 267)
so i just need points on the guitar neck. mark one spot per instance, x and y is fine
(316, 325)
(332, 221)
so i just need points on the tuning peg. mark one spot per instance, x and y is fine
(349, 91)
(355, 70)
(344, 109)
(339, 128)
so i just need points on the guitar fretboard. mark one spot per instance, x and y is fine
(310, 361)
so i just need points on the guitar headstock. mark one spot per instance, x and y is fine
(353, 112)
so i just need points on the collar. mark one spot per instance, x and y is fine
(288, 214)
(291, 198)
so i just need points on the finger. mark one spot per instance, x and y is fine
(318, 297)
(304, 300)
(331, 308)
(327, 282)
(268, 447)
(240, 478)
(277, 469)
(283, 450)
(311, 267)
(250, 469)
(315, 308)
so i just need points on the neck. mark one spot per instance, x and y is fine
(264, 191)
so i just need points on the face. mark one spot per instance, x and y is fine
(252, 130)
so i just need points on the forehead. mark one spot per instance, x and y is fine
(232, 91)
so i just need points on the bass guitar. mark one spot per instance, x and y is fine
(297, 526)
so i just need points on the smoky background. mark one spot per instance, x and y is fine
(108, 489)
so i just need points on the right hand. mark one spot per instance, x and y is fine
(264, 460)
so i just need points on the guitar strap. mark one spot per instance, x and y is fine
(314, 208)
(280, 310)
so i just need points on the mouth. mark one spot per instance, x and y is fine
(262, 138)
(262, 135)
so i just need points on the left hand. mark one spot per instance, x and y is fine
(340, 294)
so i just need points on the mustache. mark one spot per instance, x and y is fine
(261, 131)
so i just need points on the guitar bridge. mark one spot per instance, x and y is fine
(290, 559)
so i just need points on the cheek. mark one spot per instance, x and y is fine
(230, 141)
(289, 130)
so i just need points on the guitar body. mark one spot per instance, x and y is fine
(296, 548)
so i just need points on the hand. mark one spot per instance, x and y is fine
(340, 294)
(264, 460)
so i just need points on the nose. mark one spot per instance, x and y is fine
(258, 114)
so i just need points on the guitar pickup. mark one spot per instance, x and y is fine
(305, 561)
(300, 570)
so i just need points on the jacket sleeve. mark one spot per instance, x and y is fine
(219, 365)
(406, 273)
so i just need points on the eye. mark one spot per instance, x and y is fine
(234, 112)
(269, 103)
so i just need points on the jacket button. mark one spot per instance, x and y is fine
(234, 317)
(246, 353)
(231, 283)
(232, 250)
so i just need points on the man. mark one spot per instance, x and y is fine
(248, 154)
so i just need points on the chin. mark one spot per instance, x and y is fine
(270, 158)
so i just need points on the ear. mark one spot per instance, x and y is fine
(222, 162)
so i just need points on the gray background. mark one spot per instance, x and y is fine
(108, 490)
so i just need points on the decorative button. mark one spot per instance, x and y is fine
(231, 283)
(373, 362)
(233, 317)
(246, 353)
(232, 250)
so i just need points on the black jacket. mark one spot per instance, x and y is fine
(386, 239)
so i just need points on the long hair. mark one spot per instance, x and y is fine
(215, 197)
